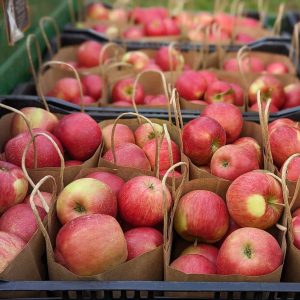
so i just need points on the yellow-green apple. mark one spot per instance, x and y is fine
(284, 142)
(13, 185)
(191, 85)
(37, 199)
(296, 213)
(293, 170)
(193, 264)
(37, 117)
(141, 201)
(272, 108)
(113, 181)
(21, 221)
(47, 155)
(88, 54)
(155, 100)
(202, 137)
(123, 91)
(169, 59)
(292, 94)
(125, 154)
(123, 134)
(208, 251)
(10, 246)
(96, 12)
(229, 117)
(138, 59)
(91, 245)
(155, 27)
(85, 196)
(277, 68)
(209, 76)
(296, 231)
(201, 215)
(70, 163)
(231, 161)
(220, 91)
(79, 134)
(171, 27)
(250, 252)
(255, 200)
(141, 240)
(270, 87)
(164, 155)
(282, 122)
(239, 94)
(93, 85)
(144, 133)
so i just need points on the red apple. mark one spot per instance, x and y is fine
(232, 227)
(169, 59)
(296, 231)
(250, 252)
(176, 174)
(191, 85)
(255, 200)
(243, 38)
(85, 100)
(164, 156)
(171, 27)
(193, 264)
(79, 134)
(67, 89)
(21, 221)
(292, 94)
(88, 54)
(201, 138)
(201, 215)
(228, 116)
(47, 155)
(144, 133)
(70, 163)
(37, 200)
(96, 12)
(249, 64)
(123, 91)
(123, 134)
(118, 15)
(122, 103)
(90, 245)
(152, 66)
(282, 122)
(293, 171)
(134, 33)
(138, 59)
(37, 117)
(125, 154)
(141, 201)
(210, 252)
(199, 102)
(113, 181)
(239, 94)
(141, 240)
(85, 196)
(10, 246)
(272, 108)
(270, 87)
(277, 68)
(156, 100)
(155, 27)
(220, 91)
(93, 86)
(209, 76)
(13, 185)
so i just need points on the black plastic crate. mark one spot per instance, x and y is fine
(290, 19)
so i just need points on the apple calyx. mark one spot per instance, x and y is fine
(248, 251)
(129, 90)
(3, 169)
(225, 164)
(79, 208)
(266, 94)
(151, 186)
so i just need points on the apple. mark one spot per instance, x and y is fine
(282, 122)
(37, 199)
(85, 196)
(249, 64)
(229, 117)
(10, 246)
(277, 68)
(134, 33)
(152, 66)
(156, 100)
(85, 100)
(293, 170)
(176, 174)
(171, 27)
(164, 157)
(248, 22)
(169, 59)
(138, 59)
(210, 252)
(93, 85)
(272, 108)
(79, 134)
(155, 27)
(193, 264)
(118, 15)
(284, 142)
(88, 54)
(123, 134)
(71, 163)
(201, 138)
(13, 185)
(144, 133)
(296, 231)
(191, 85)
(123, 91)
(113, 181)
(232, 227)
(121, 103)
(199, 102)
(209, 76)
(244, 38)
(141, 240)
(249, 252)
(125, 154)
(37, 117)
(201, 215)
(67, 89)
(255, 200)
(231, 161)
(220, 91)
(46, 153)
(90, 245)
(21, 221)
(96, 12)
(270, 87)
(239, 94)
(292, 94)
(141, 202)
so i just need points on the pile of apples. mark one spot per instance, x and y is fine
(212, 142)
(253, 205)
